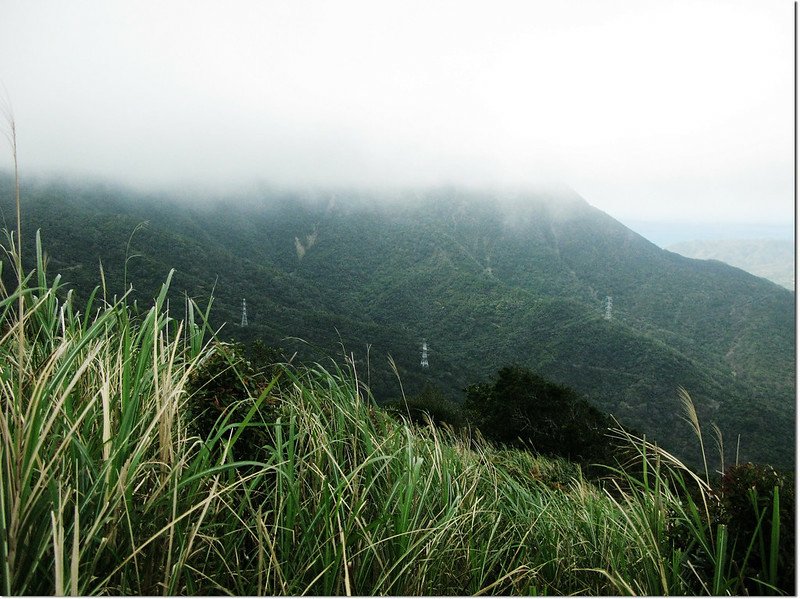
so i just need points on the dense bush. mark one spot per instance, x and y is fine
(226, 387)
(429, 405)
(757, 506)
(520, 408)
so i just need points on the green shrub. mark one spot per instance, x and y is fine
(758, 508)
(522, 409)
(429, 404)
(224, 387)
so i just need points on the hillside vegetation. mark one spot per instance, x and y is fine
(140, 457)
(488, 281)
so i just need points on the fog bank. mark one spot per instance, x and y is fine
(651, 110)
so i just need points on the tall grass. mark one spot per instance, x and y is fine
(11, 136)
(362, 504)
(99, 476)
(104, 489)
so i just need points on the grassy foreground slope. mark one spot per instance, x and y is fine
(302, 485)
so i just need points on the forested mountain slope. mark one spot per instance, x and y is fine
(486, 280)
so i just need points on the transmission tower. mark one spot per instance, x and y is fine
(608, 307)
(424, 362)
(244, 313)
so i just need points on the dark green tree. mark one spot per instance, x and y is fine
(429, 403)
(521, 408)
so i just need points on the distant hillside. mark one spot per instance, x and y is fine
(772, 259)
(488, 281)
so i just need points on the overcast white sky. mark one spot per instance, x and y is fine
(650, 109)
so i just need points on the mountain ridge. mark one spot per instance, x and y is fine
(487, 282)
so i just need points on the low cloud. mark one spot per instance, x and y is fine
(600, 96)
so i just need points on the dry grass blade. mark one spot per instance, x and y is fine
(690, 415)
(8, 114)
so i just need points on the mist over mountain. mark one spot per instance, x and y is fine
(487, 278)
